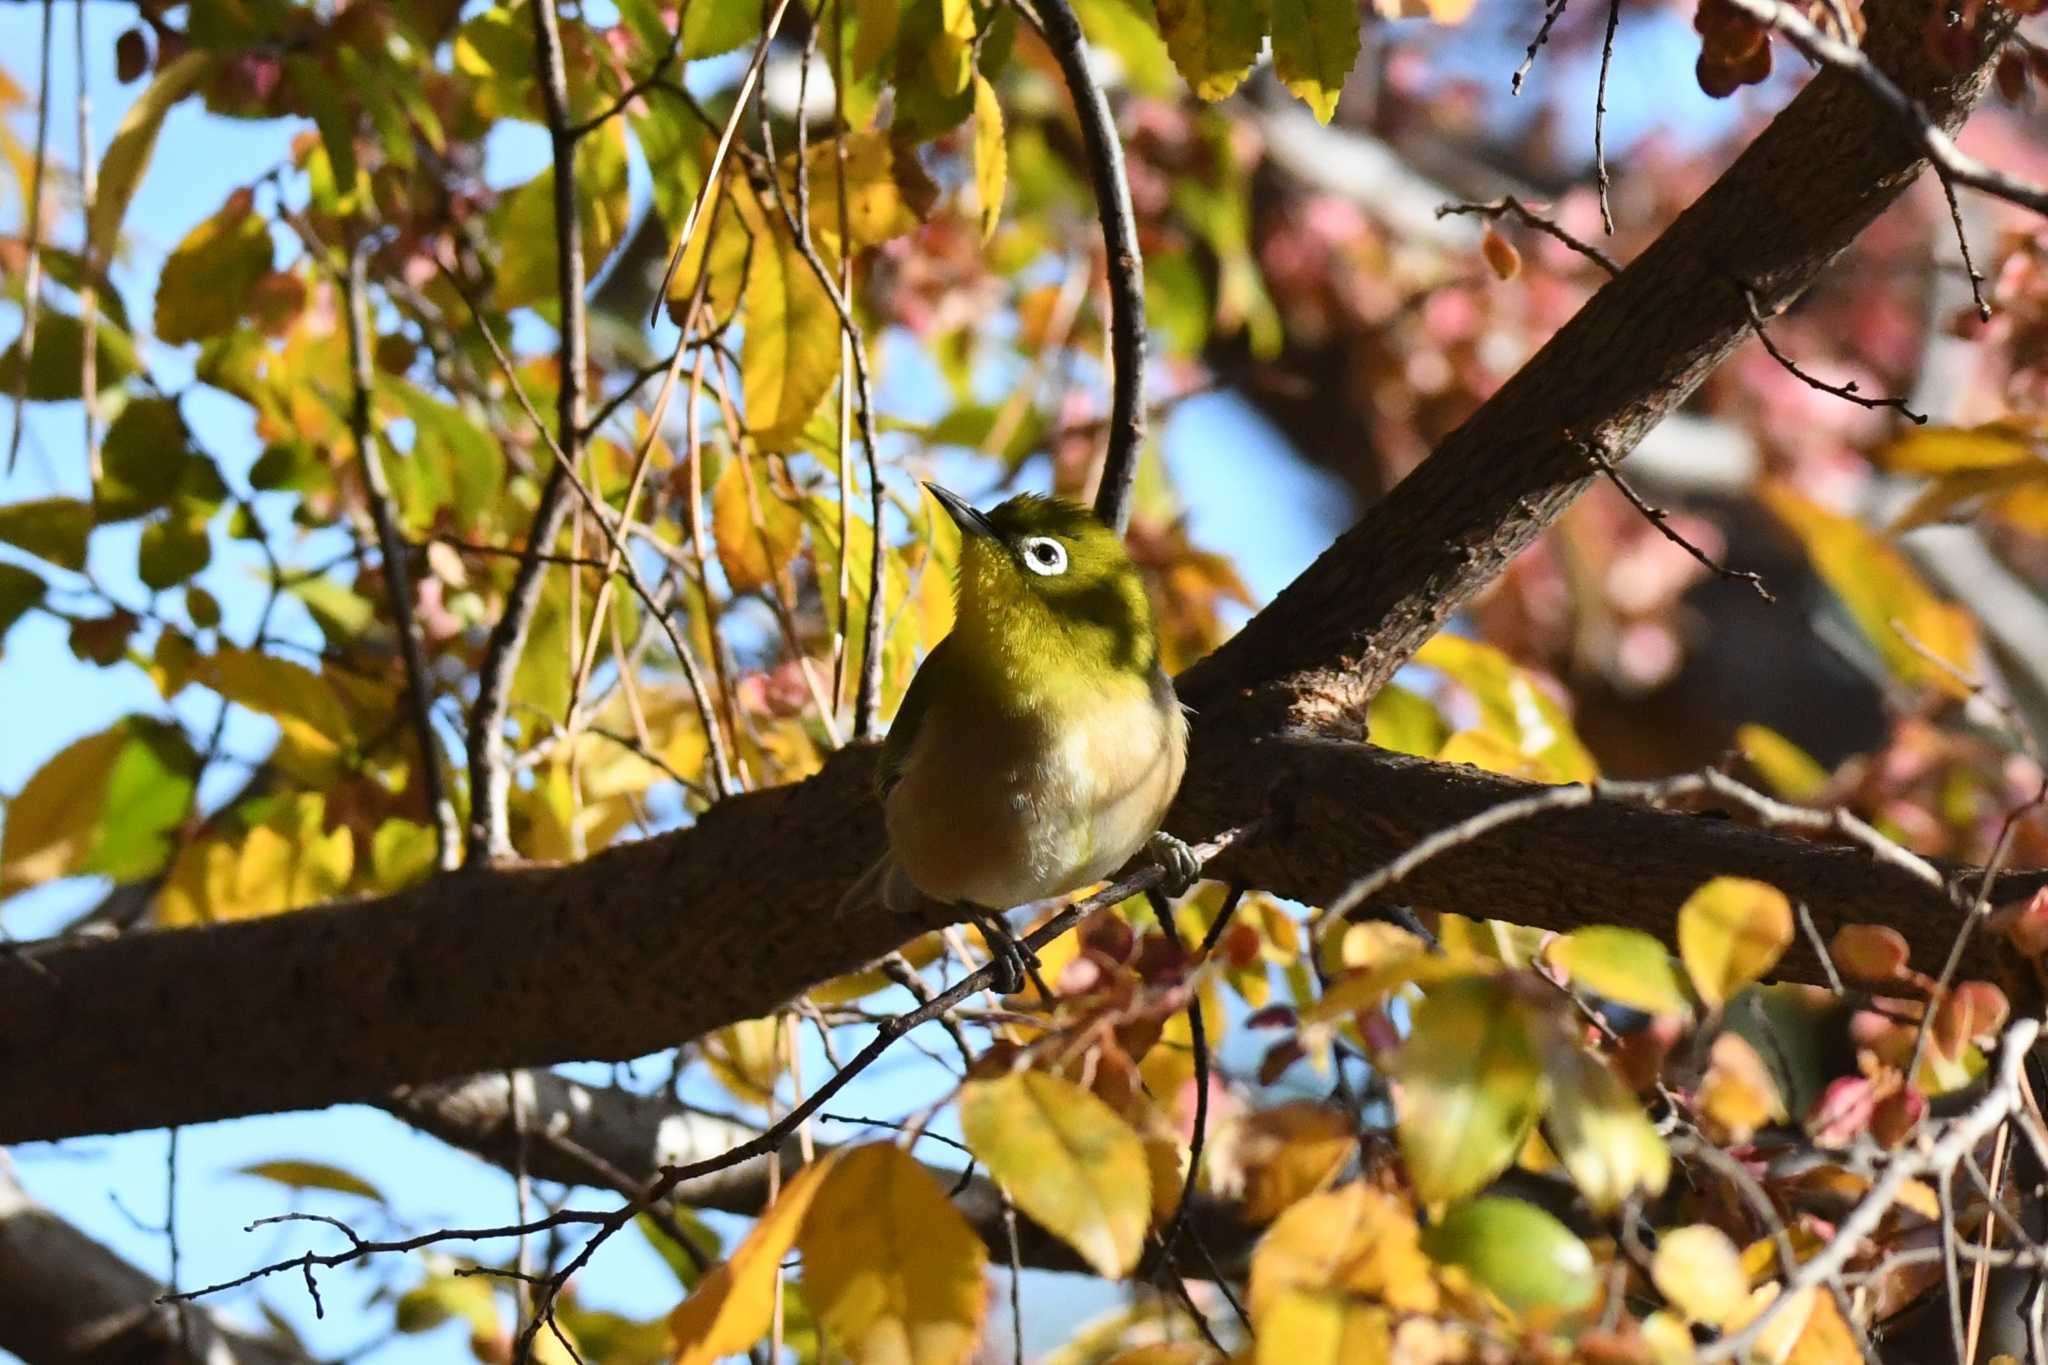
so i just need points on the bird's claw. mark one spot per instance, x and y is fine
(1179, 862)
(1009, 957)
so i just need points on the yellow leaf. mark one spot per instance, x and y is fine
(1737, 1095)
(128, 154)
(1730, 932)
(991, 160)
(891, 1269)
(1166, 1353)
(952, 52)
(747, 1058)
(1700, 1272)
(54, 821)
(1213, 43)
(1883, 595)
(1791, 772)
(1470, 1087)
(1442, 11)
(1282, 1155)
(789, 357)
(200, 885)
(1315, 45)
(1626, 966)
(718, 250)
(1944, 450)
(734, 1305)
(288, 861)
(314, 723)
(1067, 1159)
(1406, 722)
(1352, 1239)
(1512, 707)
(886, 189)
(206, 281)
(1302, 1328)
(1601, 1134)
(755, 529)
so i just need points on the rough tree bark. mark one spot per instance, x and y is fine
(655, 942)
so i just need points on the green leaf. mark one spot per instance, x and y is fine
(449, 442)
(1730, 932)
(172, 551)
(128, 154)
(523, 221)
(1406, 722)
(20, 592)
(714, 26)
(1522, 1254)
(54, 370)
(1600, 1132)
(206, 282)
(1472, 1086)
(1626, 966)
(313, 1175)
(54, 528)
(1067, 1159)
(680, 1262)
(440, 1297)
(401, 853)
(1315, 45)
(142, 459)
(1212, 42)
(148, 796)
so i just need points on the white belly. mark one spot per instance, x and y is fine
(1018, 814)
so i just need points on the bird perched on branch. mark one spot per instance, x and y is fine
(1040, 743)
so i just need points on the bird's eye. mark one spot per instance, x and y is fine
(1044, 555)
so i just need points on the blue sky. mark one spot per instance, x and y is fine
(1241, 484)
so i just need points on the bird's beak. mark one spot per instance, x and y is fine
(964, 513)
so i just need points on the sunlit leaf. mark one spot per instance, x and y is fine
(207, 279)
(732, 1307)
(1791, 772)
(1600, 1132)
(1067, 1159)
(991, 158)
(54, 528)
(289, 860)
(1471, 1086)
(1512, 708)
(313, 1175)
(1353, 1239)
(53, 821)
(1315, 45)
(314, 722)
(1730, 932)
(756, 529)
(523, 221)
(1284, 1154)
(1304, 1328)
(885, 189)
(1519, 1252)
(1883, 595)
(1213, 42)
(443, 1296)
(401, 852)
(789, 357)
(891, 1268)
(714, 26)
(127, 156)
(1945, 450)
(746, 1057)
(148, 797)
(1699, 1271)
(1406, 722)
(1626, 966)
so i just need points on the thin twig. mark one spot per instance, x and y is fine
(88, 291)
(1125, 266)
(1847, 391)
(391, 547)
(490, 773)
(1508, 205)
(32, 279)
(1198, 1036)
(1976, 276)
(1553, 10)
(1600, 114)
(1661, 519)
(637, 88)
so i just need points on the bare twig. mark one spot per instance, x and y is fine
(490, 774)
(32, 277)
(1600, 114)
(1976, 276)
(1508, 205)
(1197, 1035)
(1847, 391)
(1553, 10)
(1056, 23)
(88, 291)
(1661, 519)
(392, 548)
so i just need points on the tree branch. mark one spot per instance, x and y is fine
(1823, 169)
(490, 769)
(1125, 265)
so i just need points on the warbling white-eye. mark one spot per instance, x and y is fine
(1040, 743)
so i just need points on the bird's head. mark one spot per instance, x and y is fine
(1044, 585)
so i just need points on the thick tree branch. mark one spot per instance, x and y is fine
(1823, 169)
(67, 1300)
(487, 968)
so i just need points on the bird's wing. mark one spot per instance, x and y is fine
(910, 715)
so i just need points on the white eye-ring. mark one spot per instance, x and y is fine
(1044, 555)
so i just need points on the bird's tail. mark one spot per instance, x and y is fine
(885, 885)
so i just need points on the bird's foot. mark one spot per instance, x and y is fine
(1179, 862)
(1009, 956)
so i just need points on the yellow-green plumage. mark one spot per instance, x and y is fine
(1040, 744)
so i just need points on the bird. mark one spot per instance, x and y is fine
(1040, 743)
